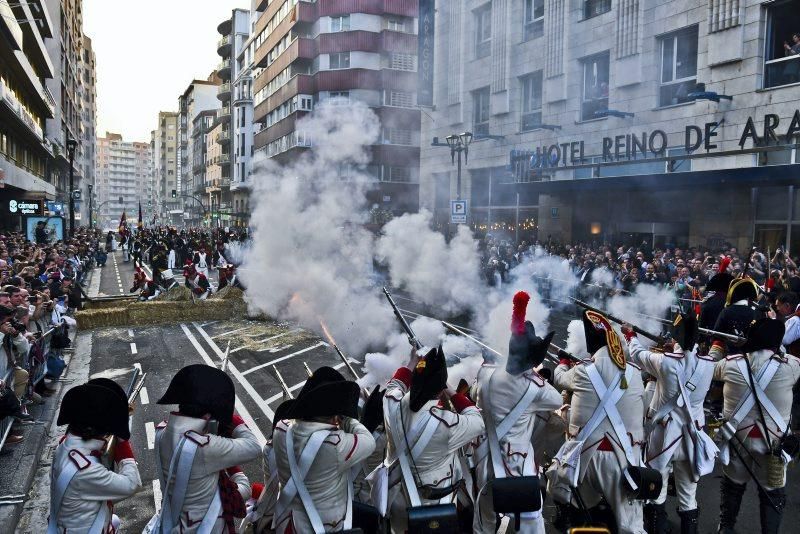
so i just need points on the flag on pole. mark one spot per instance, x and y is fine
(123, 223)
(139, 223)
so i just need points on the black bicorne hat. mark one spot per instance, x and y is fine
(764, 334)
(110, 384)
(428, 379)
(742, 289)
(372, 411)
(204, 387)
(282, 412)
(526, 350)
(98, 407)
(326, 393)
(684, 330)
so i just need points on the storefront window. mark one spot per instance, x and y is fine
(770, 236)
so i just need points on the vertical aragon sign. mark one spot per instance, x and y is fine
(425, 53)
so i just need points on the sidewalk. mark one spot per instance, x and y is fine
(19, 463)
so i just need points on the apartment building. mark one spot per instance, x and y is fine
(236, 47)
(124, 168)
(86, 154)
(166, 144)
(365, 50)
(199, 96)
(203, 124)
(25, 106)
(671, 122)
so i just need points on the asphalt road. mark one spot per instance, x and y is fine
(254, 347)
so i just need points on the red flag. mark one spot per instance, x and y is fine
(123, 223)
(139, 223)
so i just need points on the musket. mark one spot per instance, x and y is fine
(562, 353)
(132, 393)
(412, 338)
(733, 338)
(480, 343)
(345, 361)
(640, 331)
(282, 383)
(136, 372)
(308, 369)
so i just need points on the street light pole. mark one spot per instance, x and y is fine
(90, 206)
(459, 144)
(71, 145)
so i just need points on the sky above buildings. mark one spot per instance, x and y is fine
(147, 54)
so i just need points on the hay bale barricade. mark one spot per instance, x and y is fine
(161, 311)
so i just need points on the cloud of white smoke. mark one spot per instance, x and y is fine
(310, 257)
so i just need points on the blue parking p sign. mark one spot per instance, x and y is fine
(458, 211)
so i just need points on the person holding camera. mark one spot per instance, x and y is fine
(198, 453)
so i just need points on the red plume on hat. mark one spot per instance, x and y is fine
(723, 264)
(521, 300)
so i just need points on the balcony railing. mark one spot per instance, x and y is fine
(224, 69)
(782, 71)
(224, 112)
(224, 45)
(224, 91)
(223, 137)
(11, 100)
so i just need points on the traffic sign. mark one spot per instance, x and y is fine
(458, 211)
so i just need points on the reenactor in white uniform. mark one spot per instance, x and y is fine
(757, 405)
(315, 453)
(675, 419)
(602, 456)
(429, 437)
(512, 398)
(83, 490)
(198, 451)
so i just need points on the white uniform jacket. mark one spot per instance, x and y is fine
(92, 487)
(328, 476)
(214, 453)
(585, 400)
(437, 465)
(672, 434)
(778, 390)
(516, 446)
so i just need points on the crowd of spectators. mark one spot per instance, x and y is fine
(40, 287)
(623, 268)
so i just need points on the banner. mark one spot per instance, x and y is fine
(425, 47)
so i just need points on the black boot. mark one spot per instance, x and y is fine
(565, 517)
(689, 520)
(730, 501)
(771, 516)
(655, 519)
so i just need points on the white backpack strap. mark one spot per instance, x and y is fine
(611, 411)
(402, 452)
(747, 402)
(183, 470)
(760, 385)
(298, 478)
(289, 490)
(59, 487)
(607, 395)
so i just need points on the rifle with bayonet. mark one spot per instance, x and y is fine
(412, 338)
(282, 383)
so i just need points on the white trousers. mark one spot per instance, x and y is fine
(685, 486)
(736, 470)
(171, 260)
(603, 478)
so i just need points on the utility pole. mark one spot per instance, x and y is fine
(71, 145)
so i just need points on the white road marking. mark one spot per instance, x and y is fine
(150, 430)
(209, 323)
(282, 358)
(130, 333)
(279, 348)
(230, 332)
(240, 408)
(293, 331)
(157, 494)
(253, 344)
(144, 398)
(134, 350)
(295, 387)
(138, 366)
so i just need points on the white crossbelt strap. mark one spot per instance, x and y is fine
(431, 423)
(678, 400)
(310, 450)
(504, 427)
(762, 378)
(760, 385)
(58, 488)
(289, 491)
(608, 409)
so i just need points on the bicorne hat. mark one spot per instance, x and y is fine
(204, 387)
(428, 379)
(326, 393)
(98, 407)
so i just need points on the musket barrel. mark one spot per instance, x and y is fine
(640, 331)
(412, 338)
(282, 383)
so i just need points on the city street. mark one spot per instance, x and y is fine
(254, 347)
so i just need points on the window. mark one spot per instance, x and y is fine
(399, 61)
(344, 96)
(534, 19)
(483, 31)
(481, 109)
(531, 86)
(340, 61)
(398, 99)
(678, 66)
(396, 25)
(595, 86)
(592, 8)
(340, 24)
(782, 53)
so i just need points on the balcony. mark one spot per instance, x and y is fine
(224, 46)
(224, 69)
(224, 27)
(224, 92)
(782, 71)
(242, 97)
(224, 138)
(224, 113)
(11, 101)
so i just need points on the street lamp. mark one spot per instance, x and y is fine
(71, 145)
(90, 206)
(459, 143)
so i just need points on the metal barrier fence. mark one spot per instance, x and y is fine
(34, 362)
